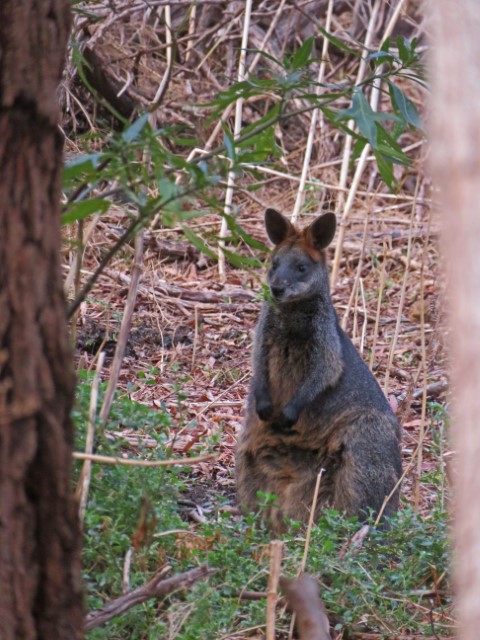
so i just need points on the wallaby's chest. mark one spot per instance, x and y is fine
(289, 364)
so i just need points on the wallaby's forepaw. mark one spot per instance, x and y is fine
(264, 409)
(286, 420)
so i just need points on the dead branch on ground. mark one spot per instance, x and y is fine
(155, 588)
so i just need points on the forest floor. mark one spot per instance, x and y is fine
(192, 331)
(189, 347)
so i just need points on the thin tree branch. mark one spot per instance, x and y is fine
(86, 474)
(155, 588)
(124, 327)
(276, 555)
(125, 237)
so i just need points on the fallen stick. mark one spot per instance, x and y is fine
(355, 542)
(155, 588)
(78, 455)
(433, 389)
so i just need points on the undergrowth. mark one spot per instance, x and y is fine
(397, 583)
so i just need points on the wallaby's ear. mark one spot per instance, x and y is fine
(320, 233)
(278, 228)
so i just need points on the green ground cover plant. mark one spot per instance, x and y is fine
(396, 582)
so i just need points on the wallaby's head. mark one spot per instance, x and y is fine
(298, 270)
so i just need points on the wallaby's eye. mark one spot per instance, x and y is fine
(274, 264)
(301, 268)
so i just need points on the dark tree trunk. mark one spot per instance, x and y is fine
(40, 590)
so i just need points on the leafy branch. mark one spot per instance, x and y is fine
(173, 179)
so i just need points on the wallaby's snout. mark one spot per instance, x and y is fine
(281, 277)
(293, 274)
(277, 291)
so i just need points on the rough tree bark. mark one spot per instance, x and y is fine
(40, 590)
(455, 137)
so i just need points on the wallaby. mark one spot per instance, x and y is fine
(313, 402)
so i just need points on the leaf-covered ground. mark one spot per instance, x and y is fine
(186, 369)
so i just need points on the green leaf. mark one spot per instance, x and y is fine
(198, 242)
(79, 62)
(184, 142)
(404, 106)
(80, 165)
(270, 118)
(301, 55)
(266, 55)
(337, 42)
(135, 129)
(380, 57)
(385, 45)
(386, 170)
(333, 117)
(167, 189)
(387, 153)
(264, 147)
(229, 146)
(404, 50)
(237, 230)
(392, 155)
(390, 148)
(364, 116)
(138, 197)
(239, 261)
(190, 214)
(245, 89)
(357, 149)
(79, 210)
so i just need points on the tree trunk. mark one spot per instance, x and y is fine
(40, 590)
(456, 163)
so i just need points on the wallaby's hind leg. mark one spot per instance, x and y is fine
(370, 468)
(278, 472)
(294, 499)
(298, 498)
(249, 478)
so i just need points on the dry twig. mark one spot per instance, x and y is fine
(276, 554)
(86, 473)
(143, 463)
(236, 133)
(374, 100)
(124, 327)
(157, 587)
